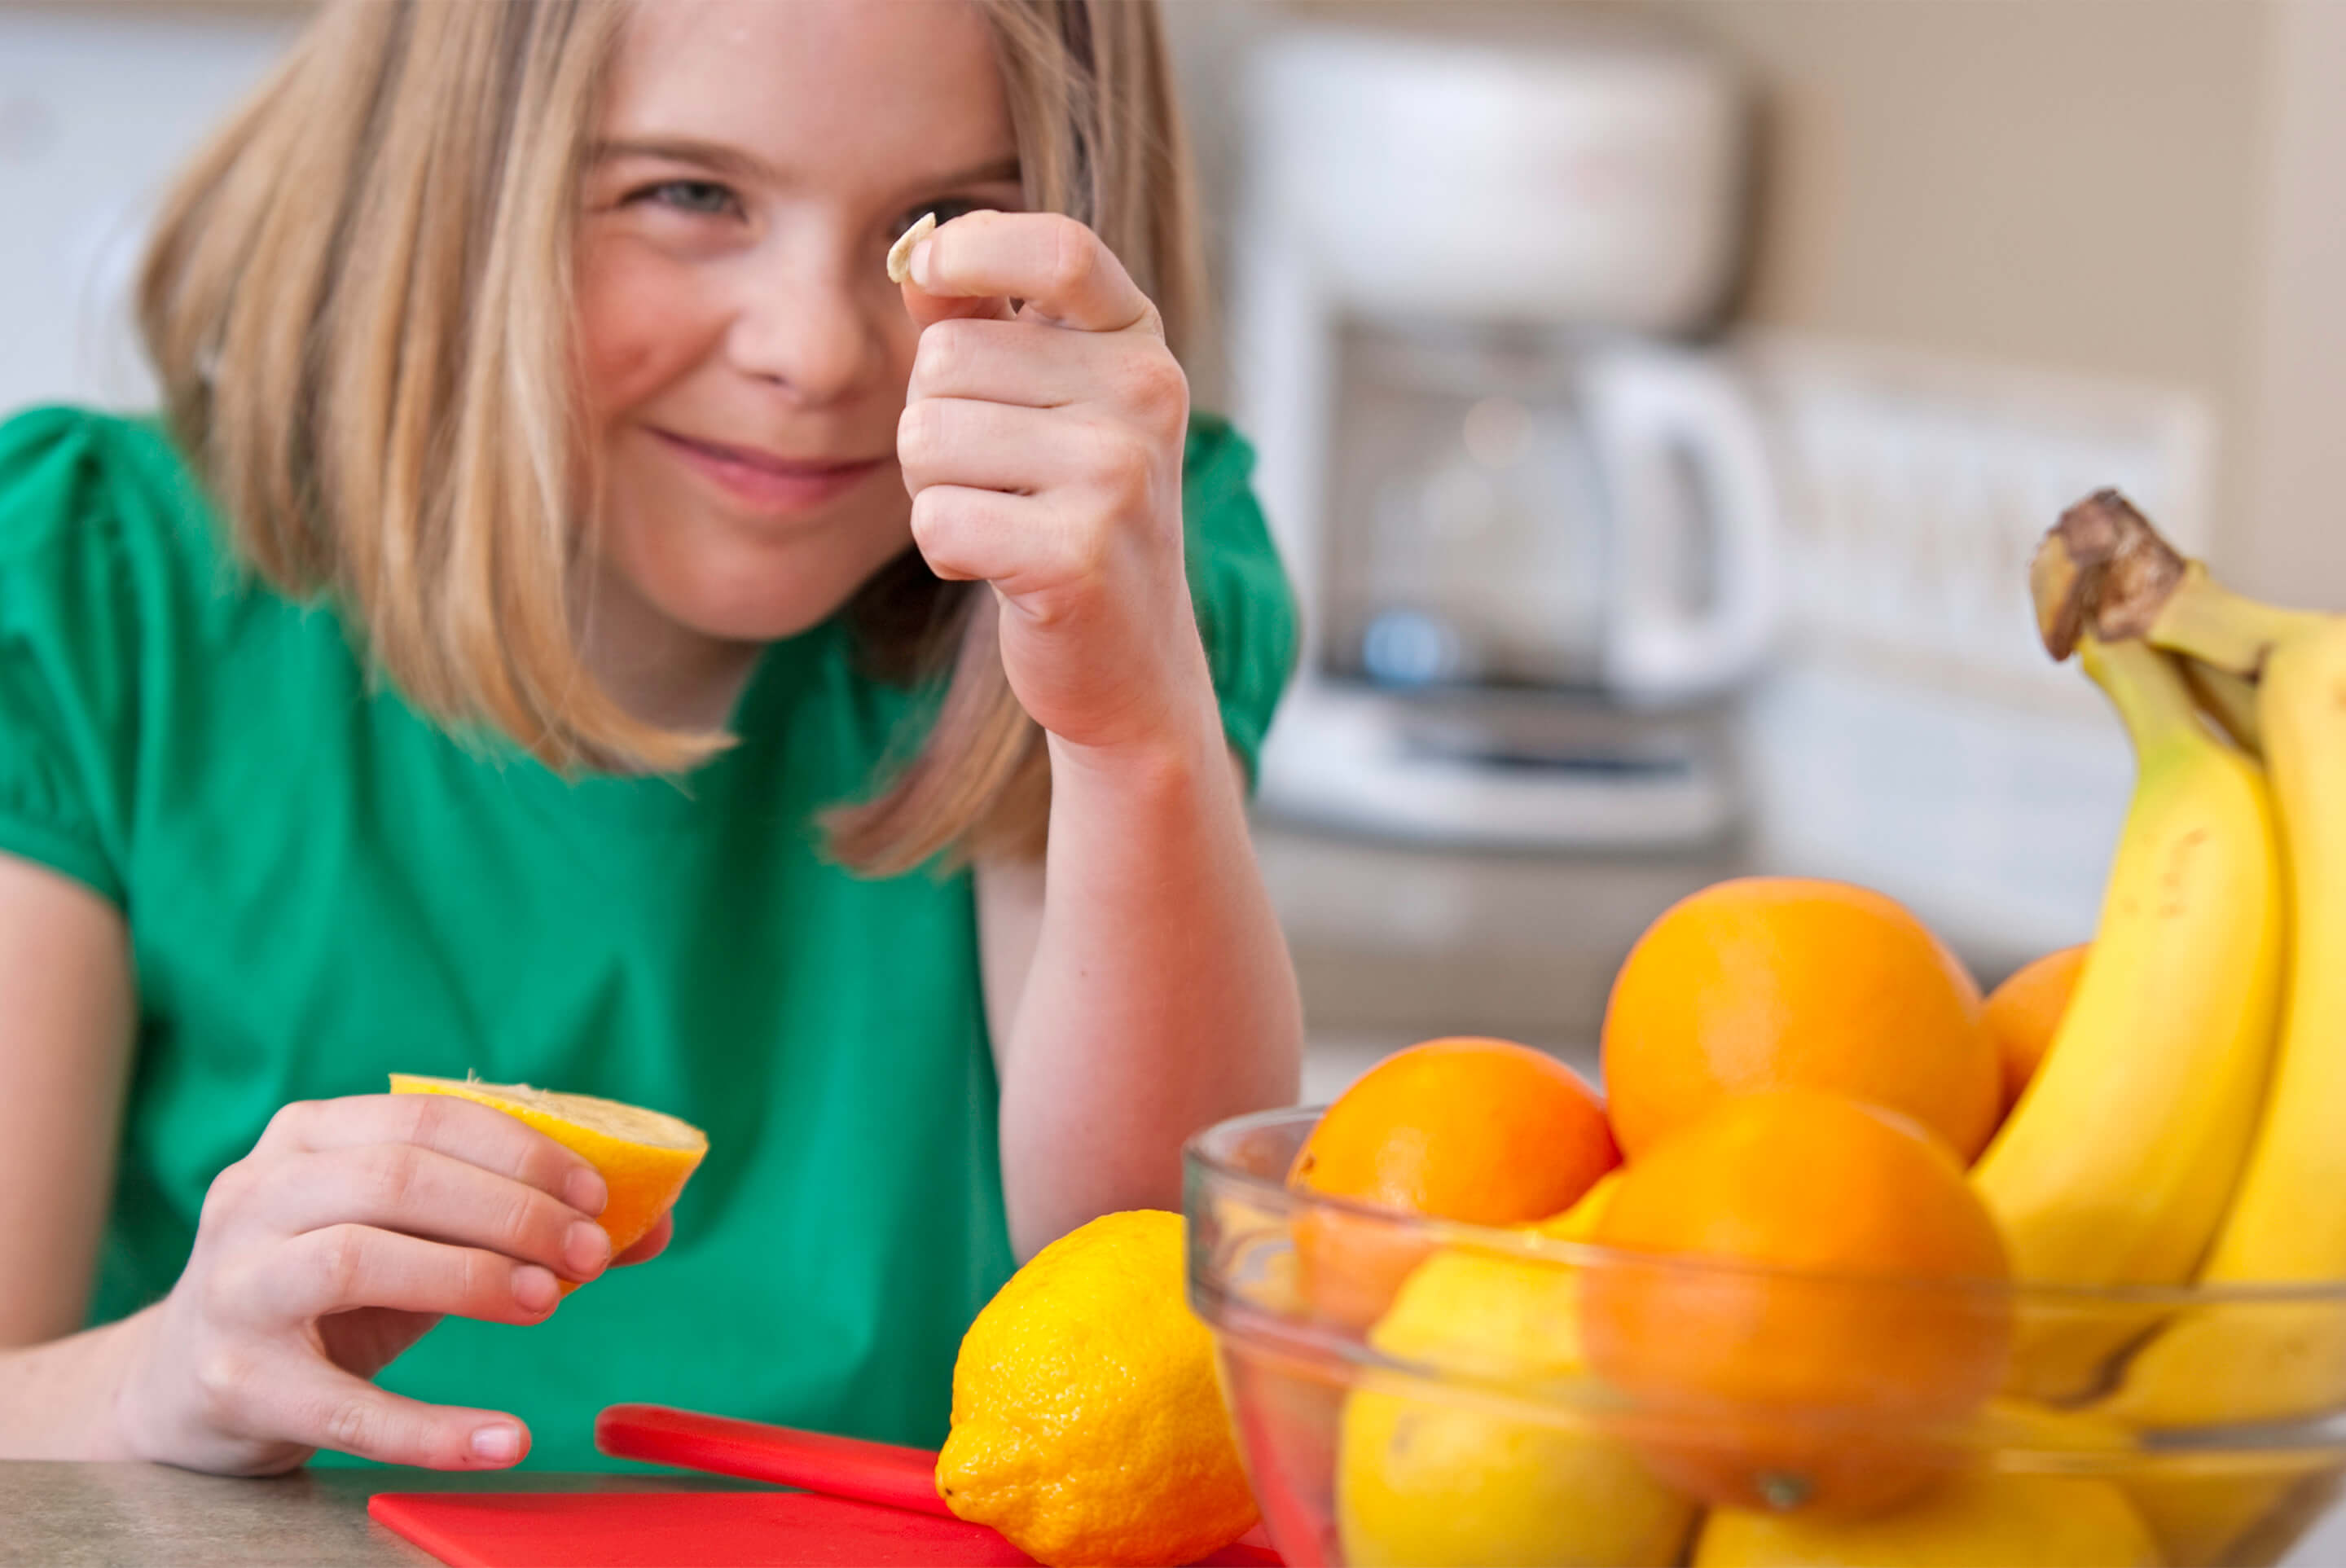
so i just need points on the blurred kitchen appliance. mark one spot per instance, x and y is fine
(1530, 522)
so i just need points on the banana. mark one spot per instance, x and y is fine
(2287, 1222)
(2246, 1360)
(2116, 1166)
(2277, 1361)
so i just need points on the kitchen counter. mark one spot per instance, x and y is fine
(69, 1515)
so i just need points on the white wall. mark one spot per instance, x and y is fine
(97, 106)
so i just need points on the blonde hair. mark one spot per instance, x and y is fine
(358, 302)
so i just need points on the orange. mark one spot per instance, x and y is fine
(2023, 1013)
(1767, 982)
(645, 1156)
(1816, 1291)
(1485, 1131)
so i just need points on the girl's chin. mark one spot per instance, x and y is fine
(750, 606)
(733, 619)
(713, 582)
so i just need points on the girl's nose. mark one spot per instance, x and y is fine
(810, 328)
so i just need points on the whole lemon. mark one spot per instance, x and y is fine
(1088, 1425)
(1426, 1482)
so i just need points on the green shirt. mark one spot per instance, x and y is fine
(322, 886)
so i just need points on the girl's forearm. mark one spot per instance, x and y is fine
(1160, 998)
(57, 1399)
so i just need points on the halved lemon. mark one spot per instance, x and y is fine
(646, 1157)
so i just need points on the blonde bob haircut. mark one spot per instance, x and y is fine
(359, 304)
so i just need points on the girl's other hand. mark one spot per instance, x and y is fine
(352, 1228)
(1042, 444)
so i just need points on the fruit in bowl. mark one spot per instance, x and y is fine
(1859, 1313)
(1766, 983)
(1886, 1275)
(1485, 1131)
(1426, 1480)
(2024, 1012)
(1970, 1520)
(1471, 1424)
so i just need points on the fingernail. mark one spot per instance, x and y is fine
(498, 1444)
(534, 1289)
(586, 1191)
(587, 1248)
(918, 262)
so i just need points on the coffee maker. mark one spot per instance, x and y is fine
(1530, 517)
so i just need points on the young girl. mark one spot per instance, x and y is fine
(578, 622)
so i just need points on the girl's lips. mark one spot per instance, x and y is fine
(770, 485)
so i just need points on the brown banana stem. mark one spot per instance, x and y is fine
(2062, 588)
(2103, 571)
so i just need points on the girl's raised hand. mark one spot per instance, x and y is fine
(1042, 444)
(353, 1227)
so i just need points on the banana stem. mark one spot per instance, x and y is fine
(2104, 572)
(2222, 629)
(2146, 688)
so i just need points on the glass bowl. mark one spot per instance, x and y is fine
(1408, 1391)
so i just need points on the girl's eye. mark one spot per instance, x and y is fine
(703, 196)
(948, 209)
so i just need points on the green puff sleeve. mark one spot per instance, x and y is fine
(1246, 611)
(67, 651)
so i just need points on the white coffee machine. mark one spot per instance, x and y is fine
(1530, 521)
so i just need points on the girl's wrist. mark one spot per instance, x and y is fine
(121, 1433)
(1176, 757)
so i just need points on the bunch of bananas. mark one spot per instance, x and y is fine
(2185, 1127)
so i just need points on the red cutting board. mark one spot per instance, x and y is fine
(873, 1503)
(678, 1530)
(694, 1530)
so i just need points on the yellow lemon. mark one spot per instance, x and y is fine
(1087, 1425)
(1424, 1482)
(645, 1156)
(1972, 1520)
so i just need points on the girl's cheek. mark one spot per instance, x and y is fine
(645, 320)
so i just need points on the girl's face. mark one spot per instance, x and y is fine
(745, 356)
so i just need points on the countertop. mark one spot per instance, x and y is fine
(77, 1515)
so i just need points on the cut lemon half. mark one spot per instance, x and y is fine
(646, 1157)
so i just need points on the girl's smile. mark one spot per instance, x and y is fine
(770, 485)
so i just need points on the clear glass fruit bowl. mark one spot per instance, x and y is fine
(1417, 1392)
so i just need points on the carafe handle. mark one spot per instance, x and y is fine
(1678, 443)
